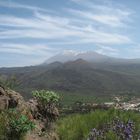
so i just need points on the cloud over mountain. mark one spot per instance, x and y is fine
(76, 23)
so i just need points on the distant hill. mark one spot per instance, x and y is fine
(79, 77)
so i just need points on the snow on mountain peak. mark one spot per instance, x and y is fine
(71, 52)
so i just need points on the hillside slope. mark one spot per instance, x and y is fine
(77, 76)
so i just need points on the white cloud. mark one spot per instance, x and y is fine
(50, 27)
(104, 15)
(95, 24)
(105, 12)
(107, 50)
(32, 49)
(110, 20)
(11, 4)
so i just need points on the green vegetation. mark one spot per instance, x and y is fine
(8, 82)
(79, 78)
(20, 125)
(47, 101)
(70, 98)
(78, 127)
(45, 97)
(4, 117)
(14, 125)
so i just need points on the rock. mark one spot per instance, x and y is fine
(46, 112)
(37, 134)
(10, 99)
(52, 136)
(53, 111)
(4, 102)
(32, 105)
(1, 91)
(16, 100)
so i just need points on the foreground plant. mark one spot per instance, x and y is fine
(116, 130)
(46, 97)
(100, 125)
(14, 125)
(19, 125)
(46, 106)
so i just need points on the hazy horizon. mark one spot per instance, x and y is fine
(68, 52)
(32, 31)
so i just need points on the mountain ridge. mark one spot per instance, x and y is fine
(77, 76)
(104, 77)
(89, 56)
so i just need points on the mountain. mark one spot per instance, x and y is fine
(89, 56)
(78, 77)
(78, 74)
(72, 55)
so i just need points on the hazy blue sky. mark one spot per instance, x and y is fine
(33, 30)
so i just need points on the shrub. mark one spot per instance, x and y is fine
(3, 125)
(115, 130)
(14, 125)
(10, 82)
(47, 101)
(46, 97)
(19, 125)
(78, 127)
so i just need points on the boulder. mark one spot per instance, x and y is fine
(40, 112)
(32, 105)
(4, 102)
(41, 115)
(2, 92)
(10, 99)
(4, 99)
(15, 100)
(52, 110)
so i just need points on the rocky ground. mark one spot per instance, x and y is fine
(11, 99)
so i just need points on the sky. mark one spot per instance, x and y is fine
(31, 31)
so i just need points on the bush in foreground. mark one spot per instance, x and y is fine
(79, 127)
(14, 125)
(46, 97)
(47, 101)
(46, 106)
